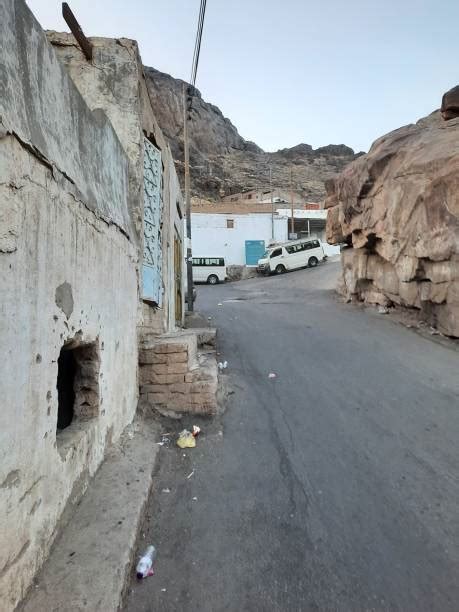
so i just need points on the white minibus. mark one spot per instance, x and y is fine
(291, 255)
(211, 270)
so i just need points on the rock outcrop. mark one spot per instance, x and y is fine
(222, 162)
(397, 208)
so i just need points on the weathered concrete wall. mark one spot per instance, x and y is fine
(41, 105)
(114, 81)
(67, 271)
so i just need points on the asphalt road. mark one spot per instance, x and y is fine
(333, 486)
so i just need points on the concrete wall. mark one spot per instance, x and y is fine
(40, 103)
(114, 81)
(67, 271)
(212, 238)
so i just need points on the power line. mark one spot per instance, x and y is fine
(197, 46)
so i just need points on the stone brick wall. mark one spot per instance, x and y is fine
(172, 379)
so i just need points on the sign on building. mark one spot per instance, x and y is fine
(152, 286)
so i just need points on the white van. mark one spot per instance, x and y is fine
(211, 270)
(291, 256)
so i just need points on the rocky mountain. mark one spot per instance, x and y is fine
(397, 207)
(222, 162)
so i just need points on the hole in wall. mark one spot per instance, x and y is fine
(77, 384)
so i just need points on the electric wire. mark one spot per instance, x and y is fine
(197, 46)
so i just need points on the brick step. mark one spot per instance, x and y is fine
(175, 377)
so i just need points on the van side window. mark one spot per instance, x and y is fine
(316, 243)
(290, 249)
(276, 253)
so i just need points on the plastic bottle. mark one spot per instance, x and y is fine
(145, 565)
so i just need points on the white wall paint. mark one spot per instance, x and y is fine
(212, 238)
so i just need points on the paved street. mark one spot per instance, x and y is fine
(333, 486)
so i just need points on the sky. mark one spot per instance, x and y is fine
(291, 71)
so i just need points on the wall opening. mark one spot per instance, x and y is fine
(66, 369)
(77, 384)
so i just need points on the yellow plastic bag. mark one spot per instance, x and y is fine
(186, 439)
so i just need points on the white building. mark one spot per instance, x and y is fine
(240, 238)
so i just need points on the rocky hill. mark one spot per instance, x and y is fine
(222, 162)
(397, 207)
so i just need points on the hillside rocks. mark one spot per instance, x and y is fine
(222, 162)
(397, 208)
(450, 104)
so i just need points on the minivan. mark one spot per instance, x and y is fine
(211, 270)
(291, 256)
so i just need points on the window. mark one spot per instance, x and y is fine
(208, 261)
(315, 243)
(290, 249)
(276, 253)
(77, 384)
(249, 197)
(230, 223)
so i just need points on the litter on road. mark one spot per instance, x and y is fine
(190, 475)
(272, 375)
(222, 365)
(145, 565)
(186, 439)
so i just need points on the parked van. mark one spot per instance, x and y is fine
(211, 270)
(291, 256)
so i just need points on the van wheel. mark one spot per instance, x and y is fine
(212, 280)
(280, 269)
(313, 261)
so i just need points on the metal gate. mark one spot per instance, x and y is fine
(254, 250)
(152, 268)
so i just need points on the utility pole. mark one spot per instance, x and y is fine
(186, 147)
(292, 219)
(272, 200)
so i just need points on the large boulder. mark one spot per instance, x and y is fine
(399, 204)
(450, 104)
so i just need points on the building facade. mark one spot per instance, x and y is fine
(230, 235)
(91, 252)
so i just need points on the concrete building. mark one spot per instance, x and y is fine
(240, 237)
(114, 81)
(264, 196)
(90, 253)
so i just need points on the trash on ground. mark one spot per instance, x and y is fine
(166, 490)
(190, 475)
(209, 318)
(222, 365)
(163, 590)
(383, 310)
(434, 332)
(165, 440)
(272, 375)
(145, 565)
(195, 499)
(186, 439)
(196, 430)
